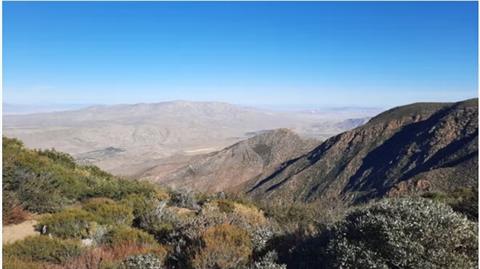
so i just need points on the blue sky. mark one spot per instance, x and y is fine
(325, 53)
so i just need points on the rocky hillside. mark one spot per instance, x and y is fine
(410, 149)
(250, 159)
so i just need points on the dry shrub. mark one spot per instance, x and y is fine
(99, 257)
(223, 246)
(251, 214)
(13, 212)
(16, 263)
(92, 259)
(14, 215)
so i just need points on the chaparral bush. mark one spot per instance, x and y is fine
(127, 235)
(69, 223)
(107, 211)
(43, 249)
(397, 233)
(145, 261)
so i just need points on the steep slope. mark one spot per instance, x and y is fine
(247, 160)
(129, 139)
(414, 148)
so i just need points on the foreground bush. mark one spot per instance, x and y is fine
(107, 211)
(43, 249)
(13, 212)
(401, 233)
(120, 235)
(223, 246)
(70, 223)
(146, 261)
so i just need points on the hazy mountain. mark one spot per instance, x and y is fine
(414, 148)
(129, 139)
(247, 160)
(18, 109)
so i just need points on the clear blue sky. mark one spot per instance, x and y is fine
(336, 53)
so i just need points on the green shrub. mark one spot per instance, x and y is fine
(41, 193)
(70, 223)
(43, 249)
(464, 201)
(107, 211)
(399, 233)
(58, 157)
(47, 181)
(127, 235)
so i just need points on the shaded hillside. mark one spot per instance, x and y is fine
(414, 148)
(247, 160)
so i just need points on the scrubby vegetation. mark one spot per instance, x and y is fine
(48, 181)
(43, 249)
(93, 220)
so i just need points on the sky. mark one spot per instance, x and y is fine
(255, 53)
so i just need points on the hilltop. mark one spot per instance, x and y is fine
(247, 160)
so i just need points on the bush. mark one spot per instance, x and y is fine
(126, 235)
(43, 249)
(223, 246)
(184, 198)
(70, 223)
(107, 211)
(47, 181)
(146, 261)
(157, 219)
(15, 263)
(464, 201)
(58, 157)
(268, 261)
(40, 193)
(401, 233)
(226, 206)
(13, 212)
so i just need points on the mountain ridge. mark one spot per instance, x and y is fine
(355, 167)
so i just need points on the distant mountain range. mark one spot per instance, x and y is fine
(131, 139)
(19, 109)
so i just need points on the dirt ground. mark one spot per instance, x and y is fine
(12, 233)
